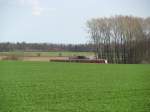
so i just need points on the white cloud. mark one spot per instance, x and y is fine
(37, 10)
(34, 4)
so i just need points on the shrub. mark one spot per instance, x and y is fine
(60, 54)
(38, 54)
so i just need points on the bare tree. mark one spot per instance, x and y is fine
(120, 39)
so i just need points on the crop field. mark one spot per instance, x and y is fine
(51, 53)
(73, 87)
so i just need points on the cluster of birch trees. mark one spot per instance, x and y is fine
(121, 39)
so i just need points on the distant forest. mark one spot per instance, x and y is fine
(44, 47)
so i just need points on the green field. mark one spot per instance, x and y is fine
(62, 53)
(72, 87)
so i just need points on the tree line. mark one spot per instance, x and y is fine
(121, 39)
(23, 46)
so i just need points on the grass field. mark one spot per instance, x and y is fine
(62, 53)
(72, 87)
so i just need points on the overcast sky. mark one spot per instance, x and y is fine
(59, 21)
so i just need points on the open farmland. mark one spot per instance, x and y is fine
(72, 87)
(51, 53)
(41, 56)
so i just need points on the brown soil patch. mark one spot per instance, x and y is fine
(36, 58)
(30, 58)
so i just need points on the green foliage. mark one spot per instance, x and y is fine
(60, 54)
(38, 54)
(71, 87)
